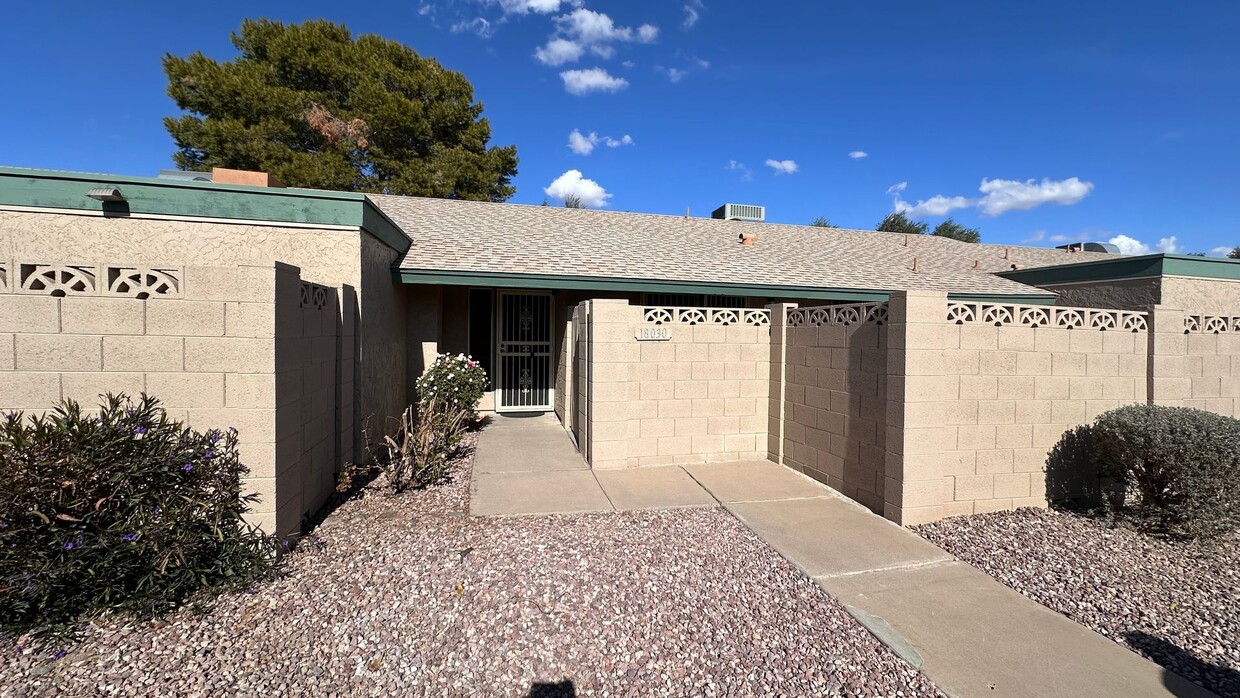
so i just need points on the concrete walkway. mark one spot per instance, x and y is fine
(967, 632)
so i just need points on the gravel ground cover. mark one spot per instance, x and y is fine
(407, 596)
(1177, 604)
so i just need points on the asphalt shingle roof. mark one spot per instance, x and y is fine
(471, 236)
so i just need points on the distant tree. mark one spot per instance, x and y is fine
(900, 223)
(821, 222)
(1235, 253)
(545, 202)
(572, 201)
(317, 107)
(951, 229)
(1196, 254)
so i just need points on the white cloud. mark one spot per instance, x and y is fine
(580, 82)
(1035, 236)
(746, 173)
(998, 197)
(541, 7)
(1003, 195)
(559, 52)
(628, 64)
(934, 206)
(1131, 245)
(782, 166)
(1220, 251)
(477, 25)
(1059, 238)
(673, 74)
(858, 154)
(596, 32)
(584, 145)
(571, 183)
(692, 13)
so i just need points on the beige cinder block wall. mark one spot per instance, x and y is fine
(349, 260)
(249, 347)
(1197, 360)
(835, 397)
(699, 396)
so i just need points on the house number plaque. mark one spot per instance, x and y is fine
(657, 333)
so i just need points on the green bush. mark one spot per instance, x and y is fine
(455, 382)
(124, 510)
(1178, 469)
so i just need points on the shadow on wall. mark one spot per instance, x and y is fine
(561, 689)
(1181, 667)
(1072, 479)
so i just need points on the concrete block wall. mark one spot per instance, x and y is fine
(997, 387)
(699, 396)
(835, 401)
(219, 346)
(1197, 360)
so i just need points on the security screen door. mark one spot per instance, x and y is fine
(524, 375)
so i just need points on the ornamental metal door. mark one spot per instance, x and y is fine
(524, 373)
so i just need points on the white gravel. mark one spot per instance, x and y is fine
(1177, 604)
(406, 596)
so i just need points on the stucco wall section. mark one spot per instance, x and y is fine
(1123, 294)
(382, 336)
(835, 402)
(1209, 296)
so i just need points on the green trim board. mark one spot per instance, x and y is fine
(1152, 265)
(596, 283)
(1014, 298)
(171, 197)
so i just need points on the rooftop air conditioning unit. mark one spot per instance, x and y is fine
(740, 212)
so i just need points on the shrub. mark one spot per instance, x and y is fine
(124, 510)
(418, 453)
(1178, 468)
(455, 382)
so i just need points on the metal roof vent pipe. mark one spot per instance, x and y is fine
(748, 239)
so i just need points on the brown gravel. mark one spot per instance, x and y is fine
(407, 596)
(1177, 604)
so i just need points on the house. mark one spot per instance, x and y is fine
(922, 376)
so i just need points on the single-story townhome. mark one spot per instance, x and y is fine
(922, 376)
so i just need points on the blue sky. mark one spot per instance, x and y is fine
(1034, 122)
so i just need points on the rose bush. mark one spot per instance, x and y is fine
(456, 382)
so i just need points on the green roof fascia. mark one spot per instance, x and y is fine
(376, 222)
(1015, 298)
(596, 283)
(170, 197)
(1143, 266)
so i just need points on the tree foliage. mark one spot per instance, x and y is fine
(951, 229)
(318, 108)
(821, 222)
(1235, 253)
(900, 223)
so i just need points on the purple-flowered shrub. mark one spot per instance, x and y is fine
(122, 509)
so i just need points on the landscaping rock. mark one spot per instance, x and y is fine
(1177, 604)
(685, 602)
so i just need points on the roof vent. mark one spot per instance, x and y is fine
(740, 212)
(1090, 247)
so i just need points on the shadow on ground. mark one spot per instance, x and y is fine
(561, 689)
(1179, 663)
